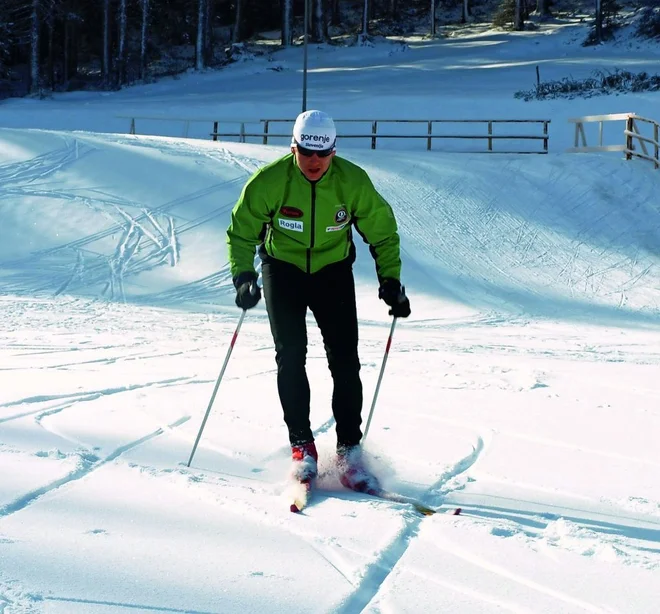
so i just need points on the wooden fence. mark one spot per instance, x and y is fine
(635, 143)
(263, 130)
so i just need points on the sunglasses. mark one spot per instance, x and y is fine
(308, 153)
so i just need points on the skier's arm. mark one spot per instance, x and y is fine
(248, 220)
(374, 220)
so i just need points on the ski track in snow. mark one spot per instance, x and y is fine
(592, 533)
(74, 399)
(535, 249)
(377, 572)
(452, 225)
(14, 175)
(505, 574)
(87, 461)
(107, 361)
(87, 464)
(147, 240)
(123, 606)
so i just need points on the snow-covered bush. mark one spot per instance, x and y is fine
(601, 83)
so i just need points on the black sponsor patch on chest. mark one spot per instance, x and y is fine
(291, 212)
(341, 216)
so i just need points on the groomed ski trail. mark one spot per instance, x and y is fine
(379, 570)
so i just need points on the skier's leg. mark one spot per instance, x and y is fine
(285, 296)
(333, 304)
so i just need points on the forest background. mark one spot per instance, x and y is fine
(64, 45)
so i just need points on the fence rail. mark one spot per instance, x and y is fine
(635, 145)
(242, 130)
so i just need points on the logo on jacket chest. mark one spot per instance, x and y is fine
(293, 212)
(294, 225)
(341, 215)
(341, 220)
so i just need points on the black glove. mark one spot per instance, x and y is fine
(248, 293)
(394, 294)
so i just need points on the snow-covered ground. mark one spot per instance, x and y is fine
(523, 389)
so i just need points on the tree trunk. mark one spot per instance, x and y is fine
(75, 50)
(432, 17)
(67, 46)
(320, 27)
(394, 9)
(335, 15)
(518, 22)
(325, 21)
(466, 11)
(365, 19)
(238, 22)
(50, 65)
(599, 21)
(122, 43)
(106, 43)
(209, 38)
(34, 48)
(71, 46)
(543, 8)
(200, 47)
(143, 40)
(287, 23)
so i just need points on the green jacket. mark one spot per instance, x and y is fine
(309, 224)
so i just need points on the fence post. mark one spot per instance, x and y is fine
(656, 128)
(642, 143)
(583, 134)
(132, 130)
(545, 136)
(374, 131)
(430, 132)
(580, 134)
(242, 133)
(629, 138)
(215, 131)
(490, 131)
(266, 122)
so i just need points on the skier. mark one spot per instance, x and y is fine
(300, 210)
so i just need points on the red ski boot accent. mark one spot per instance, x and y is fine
(352, 471)
(305, 458)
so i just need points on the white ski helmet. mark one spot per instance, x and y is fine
(314, 130)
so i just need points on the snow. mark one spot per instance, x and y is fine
(523, 389)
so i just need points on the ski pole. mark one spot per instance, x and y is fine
(217, 385)
(380, 377)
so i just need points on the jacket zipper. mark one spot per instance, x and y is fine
(312, 229)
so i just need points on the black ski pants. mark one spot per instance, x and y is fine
(330, 295)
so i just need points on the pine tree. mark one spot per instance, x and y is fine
(143, 39)
(35, 75)
(200, 48)
(121, 51)
(105, 64)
